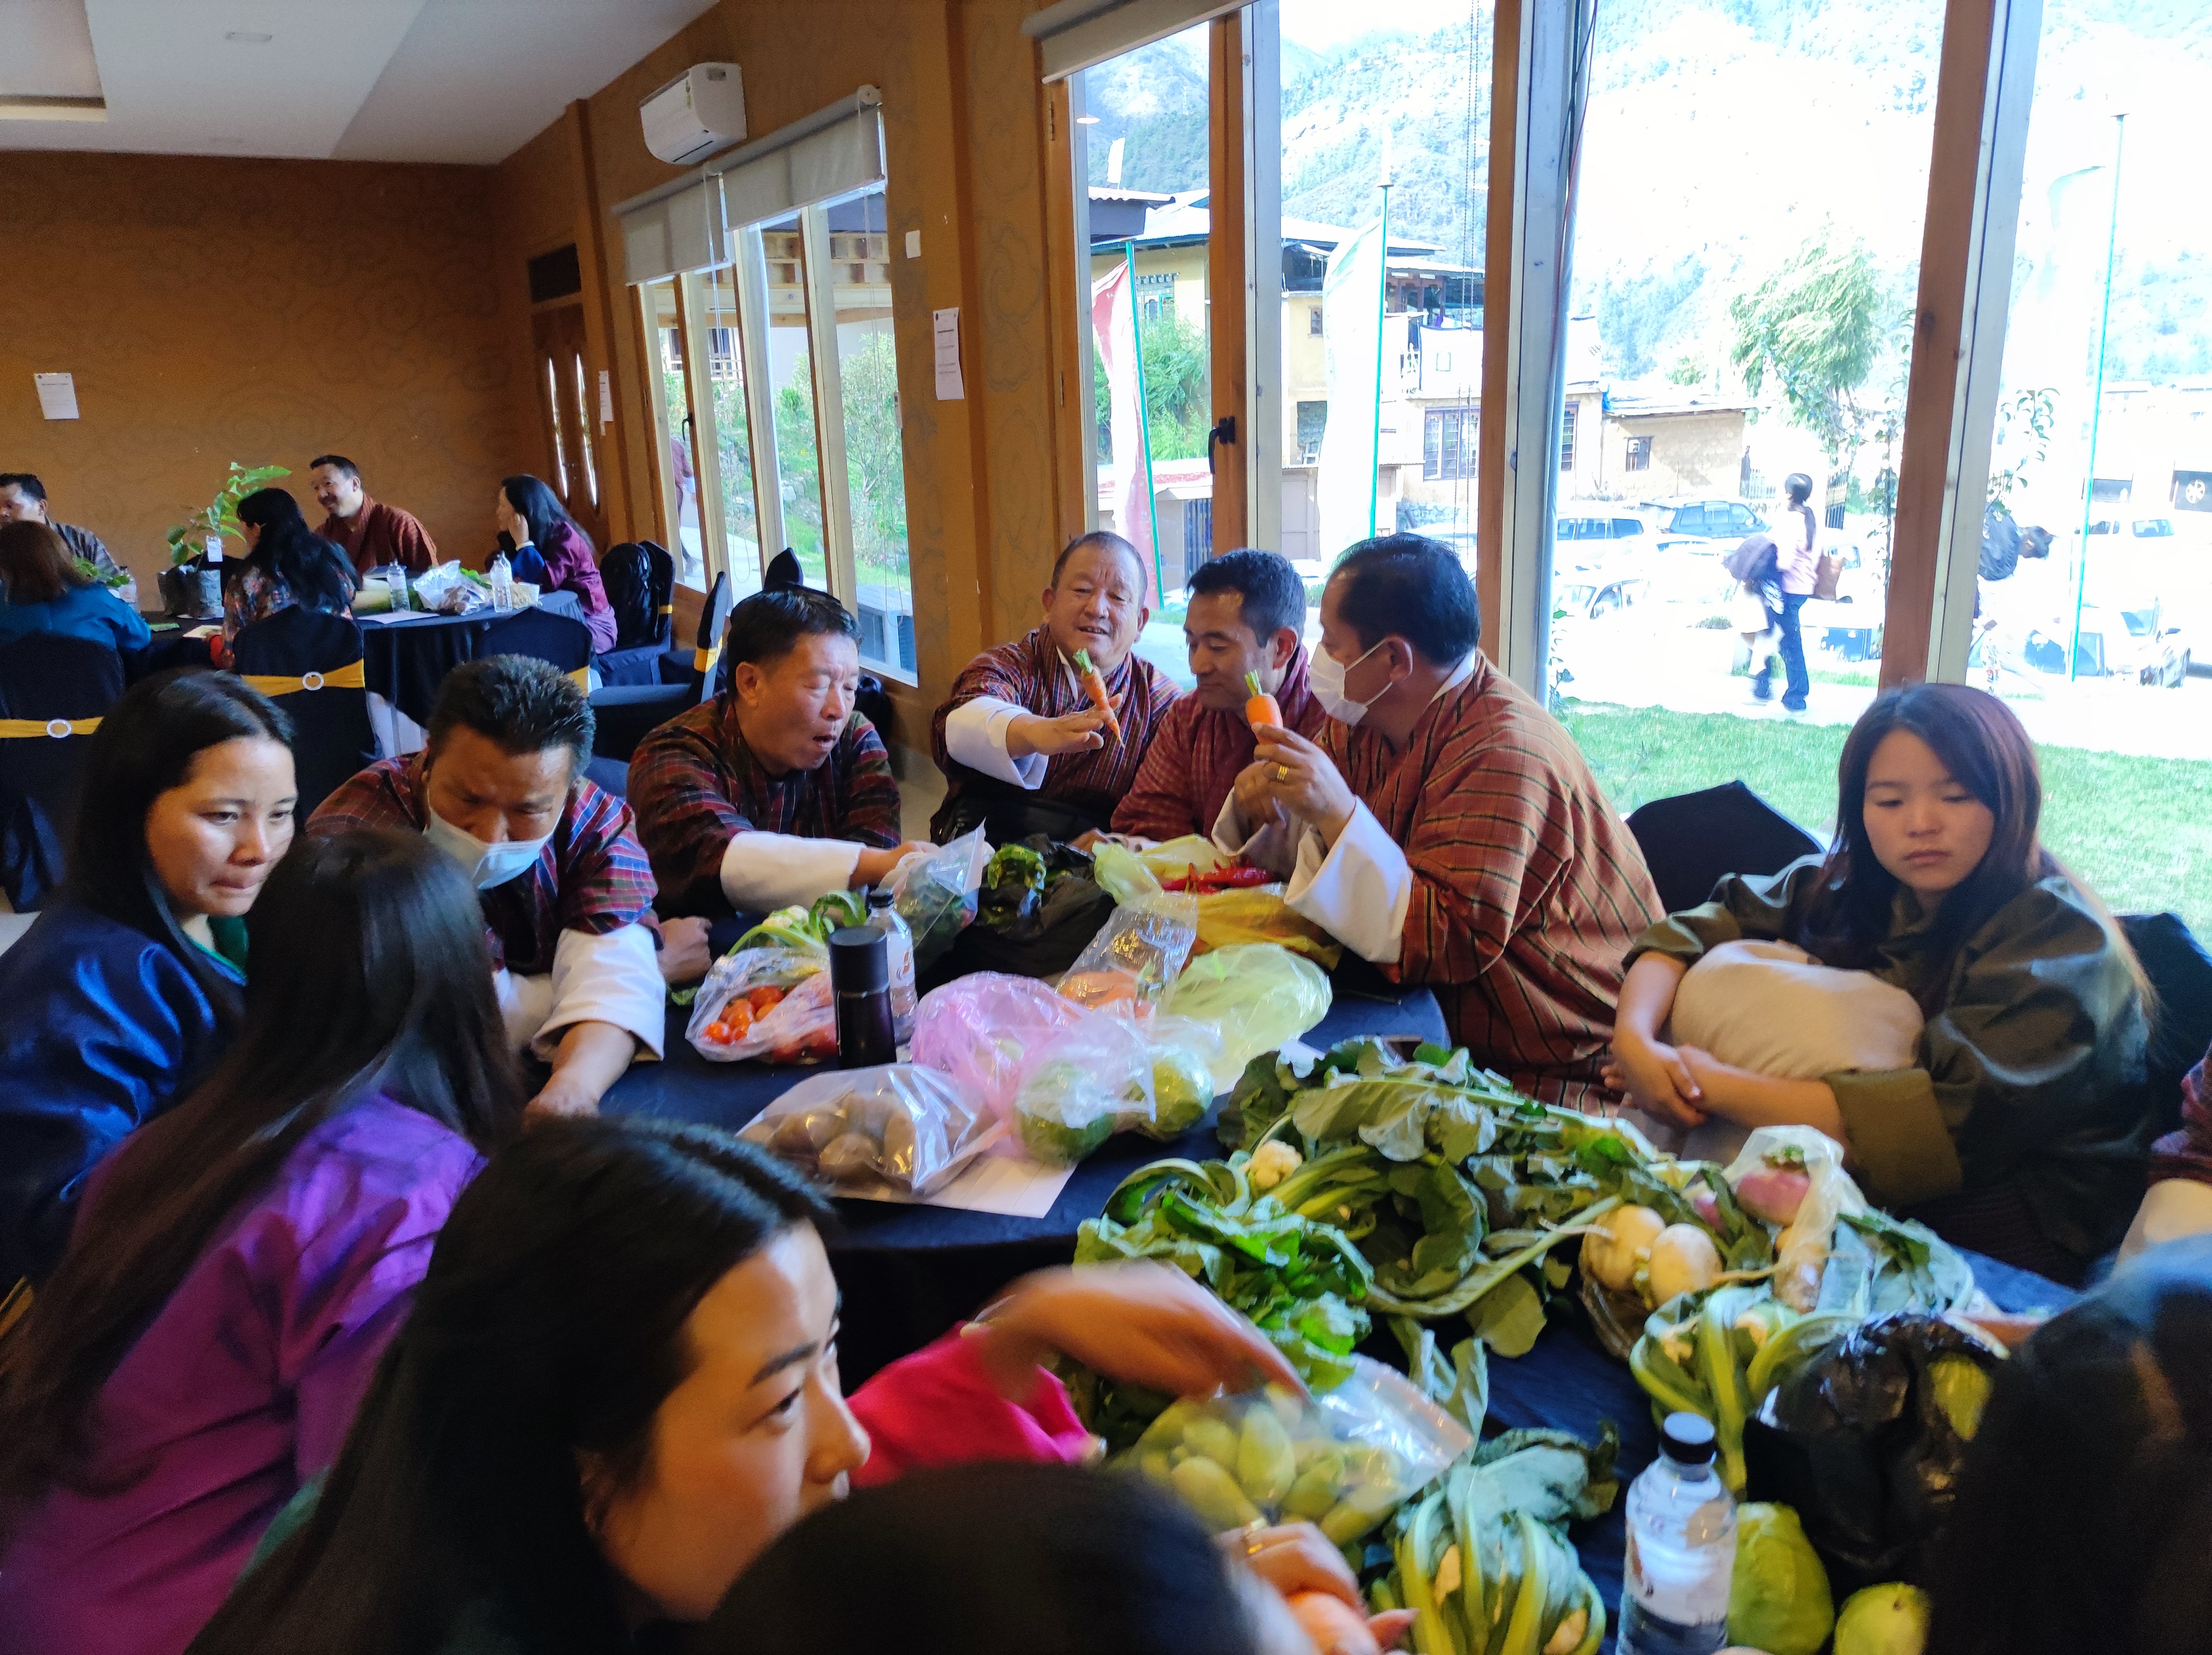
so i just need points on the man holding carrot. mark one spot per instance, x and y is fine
(1046, 734)
(1446, 828)
(1245, 630)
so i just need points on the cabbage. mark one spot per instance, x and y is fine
(1778, 1599)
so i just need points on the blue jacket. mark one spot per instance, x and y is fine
(101, 1029)
(89, 612)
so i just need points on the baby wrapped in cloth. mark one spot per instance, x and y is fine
(1773, 1008)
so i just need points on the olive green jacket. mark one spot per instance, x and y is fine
(2032, 1064)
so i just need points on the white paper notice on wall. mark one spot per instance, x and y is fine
(949, 389)
(57, 395)
(606, 398)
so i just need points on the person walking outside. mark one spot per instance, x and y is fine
(1795, 568)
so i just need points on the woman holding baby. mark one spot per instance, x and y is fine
(1945, 1000)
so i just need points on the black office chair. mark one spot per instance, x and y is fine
(1692, 841)
(53, 692)
(2180, 974)
(626, 713)
(310, 663)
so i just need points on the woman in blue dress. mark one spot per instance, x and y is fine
(45, 591)
(123, 992)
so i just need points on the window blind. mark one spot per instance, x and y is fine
(1075, 34)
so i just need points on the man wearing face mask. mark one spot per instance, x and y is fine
(564, 885)
(1023, 748)
(776, 790)
(1447, 828)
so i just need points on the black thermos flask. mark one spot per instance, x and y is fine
(860, 978)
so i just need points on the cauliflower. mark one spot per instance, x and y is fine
(1272, 1162)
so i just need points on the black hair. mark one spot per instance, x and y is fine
(146, 745)
(338, 460)
(536, 505)
(316, 572)
(769, 625)
(524, 704)
(1106, 540)
(1412, 587)
(370, 973)
(551, 1326)
(1274, 596)
(26, 480)
(1081, 1562)
(2084, 1512)
(1798, 487)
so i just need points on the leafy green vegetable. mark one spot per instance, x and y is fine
(1509, 1318)
(1182, 1091)
(786, 928)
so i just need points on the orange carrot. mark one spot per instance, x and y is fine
(1261, 708)
(1094, 686)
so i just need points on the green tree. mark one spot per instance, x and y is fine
(1177, 375)
(800, 463)
(1816, 325)
(874, 461)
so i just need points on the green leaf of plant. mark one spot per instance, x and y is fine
(1509, 1318)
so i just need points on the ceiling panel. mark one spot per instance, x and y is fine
(466, 81)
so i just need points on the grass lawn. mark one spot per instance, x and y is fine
(2139, 830)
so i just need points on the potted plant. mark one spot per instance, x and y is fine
(190, 587)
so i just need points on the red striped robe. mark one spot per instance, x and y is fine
(1193, 764)
(1528, 887)
(1029, 672)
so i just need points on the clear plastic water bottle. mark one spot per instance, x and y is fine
(395, 582)
(502, 585)
(898, 938)
(1681, 1548)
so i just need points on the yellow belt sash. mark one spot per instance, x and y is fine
(354, 675)
(21, 728)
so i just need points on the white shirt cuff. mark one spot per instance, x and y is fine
(975, 735)
(613, 978)
(1358, 892)
(1270, 847)
(761, 872)
(524, 1003)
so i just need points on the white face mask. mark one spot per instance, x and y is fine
(1327, 676)
(486, 864)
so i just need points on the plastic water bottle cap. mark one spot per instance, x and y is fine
(1688, 1438)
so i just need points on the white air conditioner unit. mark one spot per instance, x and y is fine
(701, 111)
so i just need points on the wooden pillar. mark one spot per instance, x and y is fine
(618, 502)
(1067, 277)
(1949, 247)
(1225, 274)
(1491, 460)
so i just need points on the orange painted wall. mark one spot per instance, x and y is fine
(963, 140)
(215, 309)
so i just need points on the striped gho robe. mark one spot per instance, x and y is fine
(1194, 759)
(698, 788)
(1528, 888)
(1031, 673)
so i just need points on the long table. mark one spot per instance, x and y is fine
(910, 1272)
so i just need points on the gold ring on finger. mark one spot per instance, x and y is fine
(1282, 773)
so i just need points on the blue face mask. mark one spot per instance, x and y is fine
(485, 864)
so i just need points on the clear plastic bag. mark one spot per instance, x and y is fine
(1226, 918)
(431, 587)
(1080, 1085)
(859, 1130)
(1259, 995)
(770, 1003)
(1137, 954)
(1343, 1461)
(935, 894)
(976, 1028)
(1184, 1053)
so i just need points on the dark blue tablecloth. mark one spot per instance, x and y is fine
(910, 1272)
(405, 661)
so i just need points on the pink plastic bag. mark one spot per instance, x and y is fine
(978, 1030)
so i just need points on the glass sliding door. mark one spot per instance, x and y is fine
(670, 395)
(733, 424)
(791, 386)
(2092, 617)
(1740, 313)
